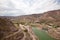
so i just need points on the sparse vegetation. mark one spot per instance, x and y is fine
(49, 21)
(55, 26)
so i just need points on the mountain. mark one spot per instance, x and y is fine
(8, 31)
(48, 21)
(47, 17)
(51, 17)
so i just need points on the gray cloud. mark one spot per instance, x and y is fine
(22, 7)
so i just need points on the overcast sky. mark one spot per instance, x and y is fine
(22, 7)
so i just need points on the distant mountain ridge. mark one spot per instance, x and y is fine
(48, 21)
(53, 16)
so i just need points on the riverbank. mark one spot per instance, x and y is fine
(42, 35)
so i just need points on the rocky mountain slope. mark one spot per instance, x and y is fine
(8, 31)
(50, 16)
(48, 21)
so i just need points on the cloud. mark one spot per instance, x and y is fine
(57, 2)
(14, 12)
(22, 7)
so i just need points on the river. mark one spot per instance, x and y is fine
(42, 35)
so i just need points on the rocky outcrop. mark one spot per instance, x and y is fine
(8, 31)
(55, 33)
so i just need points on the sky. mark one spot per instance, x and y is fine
(25, 7)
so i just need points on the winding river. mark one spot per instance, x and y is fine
(42, 35)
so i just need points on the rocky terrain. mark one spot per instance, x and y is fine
(48, 21)
(8, 31)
